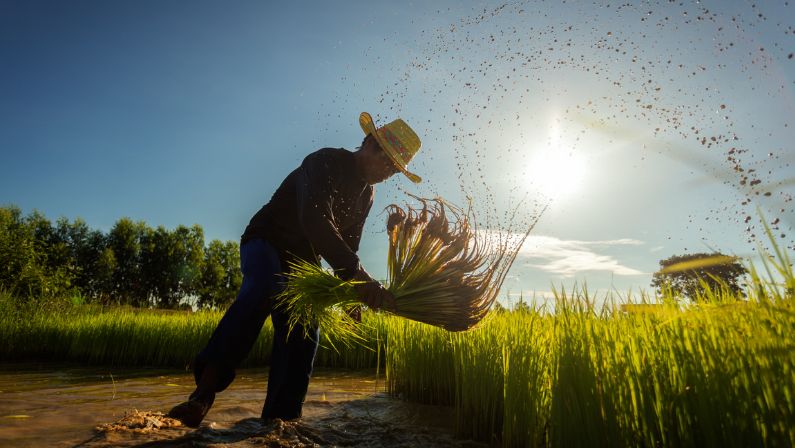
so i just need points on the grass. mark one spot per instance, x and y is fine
(720, 373)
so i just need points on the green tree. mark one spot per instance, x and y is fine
(17, 252)
(172, 263)
(153, 261)
(78, 249)
(27, 269)
(190, 257)
(688, 275)
(124, 239)
(56, 246)
(52, 247)
(93, 276)
(103, 276)
(234, 276)
(220, 276)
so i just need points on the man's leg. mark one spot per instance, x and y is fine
(236, 333)
(292, 361)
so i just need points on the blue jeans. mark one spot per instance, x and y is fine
(293, 353)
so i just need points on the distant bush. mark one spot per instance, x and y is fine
(693, 276)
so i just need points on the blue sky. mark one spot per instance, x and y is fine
(193, 112)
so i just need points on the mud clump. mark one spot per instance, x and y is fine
(140, 423)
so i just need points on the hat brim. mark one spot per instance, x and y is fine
(368, 126)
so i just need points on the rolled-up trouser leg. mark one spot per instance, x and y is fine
(240, 326)
(292, 360)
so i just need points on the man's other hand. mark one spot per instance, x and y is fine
(372, 293)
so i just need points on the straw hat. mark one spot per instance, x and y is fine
(397, 140)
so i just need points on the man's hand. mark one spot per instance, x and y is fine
(355, 313)
(372, 293)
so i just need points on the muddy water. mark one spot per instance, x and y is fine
(75, 406)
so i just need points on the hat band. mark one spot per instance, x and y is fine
(395, 143)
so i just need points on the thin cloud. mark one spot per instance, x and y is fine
(568, 257)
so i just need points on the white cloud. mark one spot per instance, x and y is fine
(568, 257)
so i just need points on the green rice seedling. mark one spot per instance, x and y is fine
(144, 338)
(369, 351)
(720, 373)
(479, 375)
(439, 272)
(526, 355)
(419, 366)
(316, 297)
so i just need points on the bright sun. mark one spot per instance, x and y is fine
(557, 173)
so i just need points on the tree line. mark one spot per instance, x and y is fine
(137, 265)
(132, 264)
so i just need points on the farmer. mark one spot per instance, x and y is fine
(319, 210)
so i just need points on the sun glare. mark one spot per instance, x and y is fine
(556, 171)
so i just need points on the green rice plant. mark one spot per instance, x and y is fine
(713, 375)
(368, 353)
(316, 297)
(439, 272)
(419, 366)
(480, 393)
(526, 354)
(148, 338)
(717, 373)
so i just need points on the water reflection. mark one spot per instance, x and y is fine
(63, 406)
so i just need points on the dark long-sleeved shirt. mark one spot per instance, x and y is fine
(318, 211)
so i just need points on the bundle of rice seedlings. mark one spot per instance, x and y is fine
(441, 270)
(316, 297)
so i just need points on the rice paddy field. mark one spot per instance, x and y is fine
(721, 373)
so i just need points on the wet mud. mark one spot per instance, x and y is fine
(89, 408)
